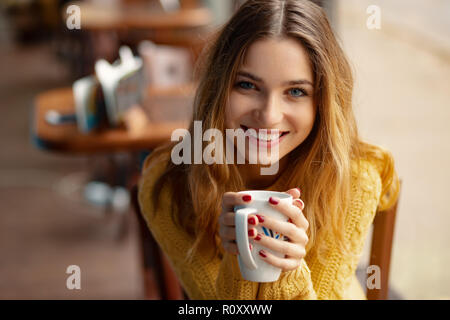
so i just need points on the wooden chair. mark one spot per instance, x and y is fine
(159, 276)
(160, 281)
(381, 249)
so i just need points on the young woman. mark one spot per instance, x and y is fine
(275, 65)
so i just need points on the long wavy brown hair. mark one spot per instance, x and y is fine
(321, 165)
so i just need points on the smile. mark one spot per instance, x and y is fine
(266, 138)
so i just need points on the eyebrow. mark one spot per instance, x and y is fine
(258, 79)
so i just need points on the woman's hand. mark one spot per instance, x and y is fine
(227, 231)
(295, 230)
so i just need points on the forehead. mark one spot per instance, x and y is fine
(278, 60)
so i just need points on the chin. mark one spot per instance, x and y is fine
(263, 157)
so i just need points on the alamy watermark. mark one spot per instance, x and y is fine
(73, 20)
(374, 20)
(263, 147)
(374, 277)
(74, 280)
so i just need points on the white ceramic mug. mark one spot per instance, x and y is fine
(252, 267)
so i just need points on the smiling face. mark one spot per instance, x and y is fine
(273, 90)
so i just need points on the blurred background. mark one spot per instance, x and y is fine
(64, 187)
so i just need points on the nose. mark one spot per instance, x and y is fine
(269, 113)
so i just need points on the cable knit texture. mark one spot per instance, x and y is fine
(220, 278)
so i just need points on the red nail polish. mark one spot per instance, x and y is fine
(262, 254)
(252, 220)
(299, 190)
(260, 218)
(247, 198)
(273, 201)
(251, 232)
(258, 237)
(302, 204)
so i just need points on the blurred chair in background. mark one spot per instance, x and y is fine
(105, 27)
(381, 249)
(159, 279)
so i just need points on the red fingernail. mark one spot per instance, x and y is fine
(251, 233)
(262, 254)
(299, 190)
(247, 198)
(260, 218)
(252, 220)
(273, 200)
(258, 237)
(301, 203)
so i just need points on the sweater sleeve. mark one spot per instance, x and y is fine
(330, 277)
(202, 277)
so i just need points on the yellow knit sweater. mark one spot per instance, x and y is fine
(220, 278)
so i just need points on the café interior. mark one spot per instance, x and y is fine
(89, 88)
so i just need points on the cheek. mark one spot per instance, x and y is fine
(310, 118)
(229, 115)
(304, 120)
(234, 110)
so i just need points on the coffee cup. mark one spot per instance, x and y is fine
(252, 267)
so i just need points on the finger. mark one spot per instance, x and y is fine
(287, 229)
(252, 233)
(231, 199)
(299, 203)
(231, 247)
(294, 192)
(227, 233)
(290, 249)
(227, 218)
(286, 208)
(302, 222)
(252, 220)
(285, 264)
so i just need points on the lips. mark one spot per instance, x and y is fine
(264, 134)
(265, 138)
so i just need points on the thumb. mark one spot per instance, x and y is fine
(295, 193)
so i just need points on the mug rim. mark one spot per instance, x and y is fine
(281, 195)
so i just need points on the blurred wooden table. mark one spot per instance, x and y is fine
(68, 139)
(187, 27)
(104, 27)
(140, 16)
(162, 105)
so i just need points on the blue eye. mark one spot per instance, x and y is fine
(246, 85)
(297, 92)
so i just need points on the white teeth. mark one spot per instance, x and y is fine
(262, 135)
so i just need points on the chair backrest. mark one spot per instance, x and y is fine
(160, 281)
(381, 249)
